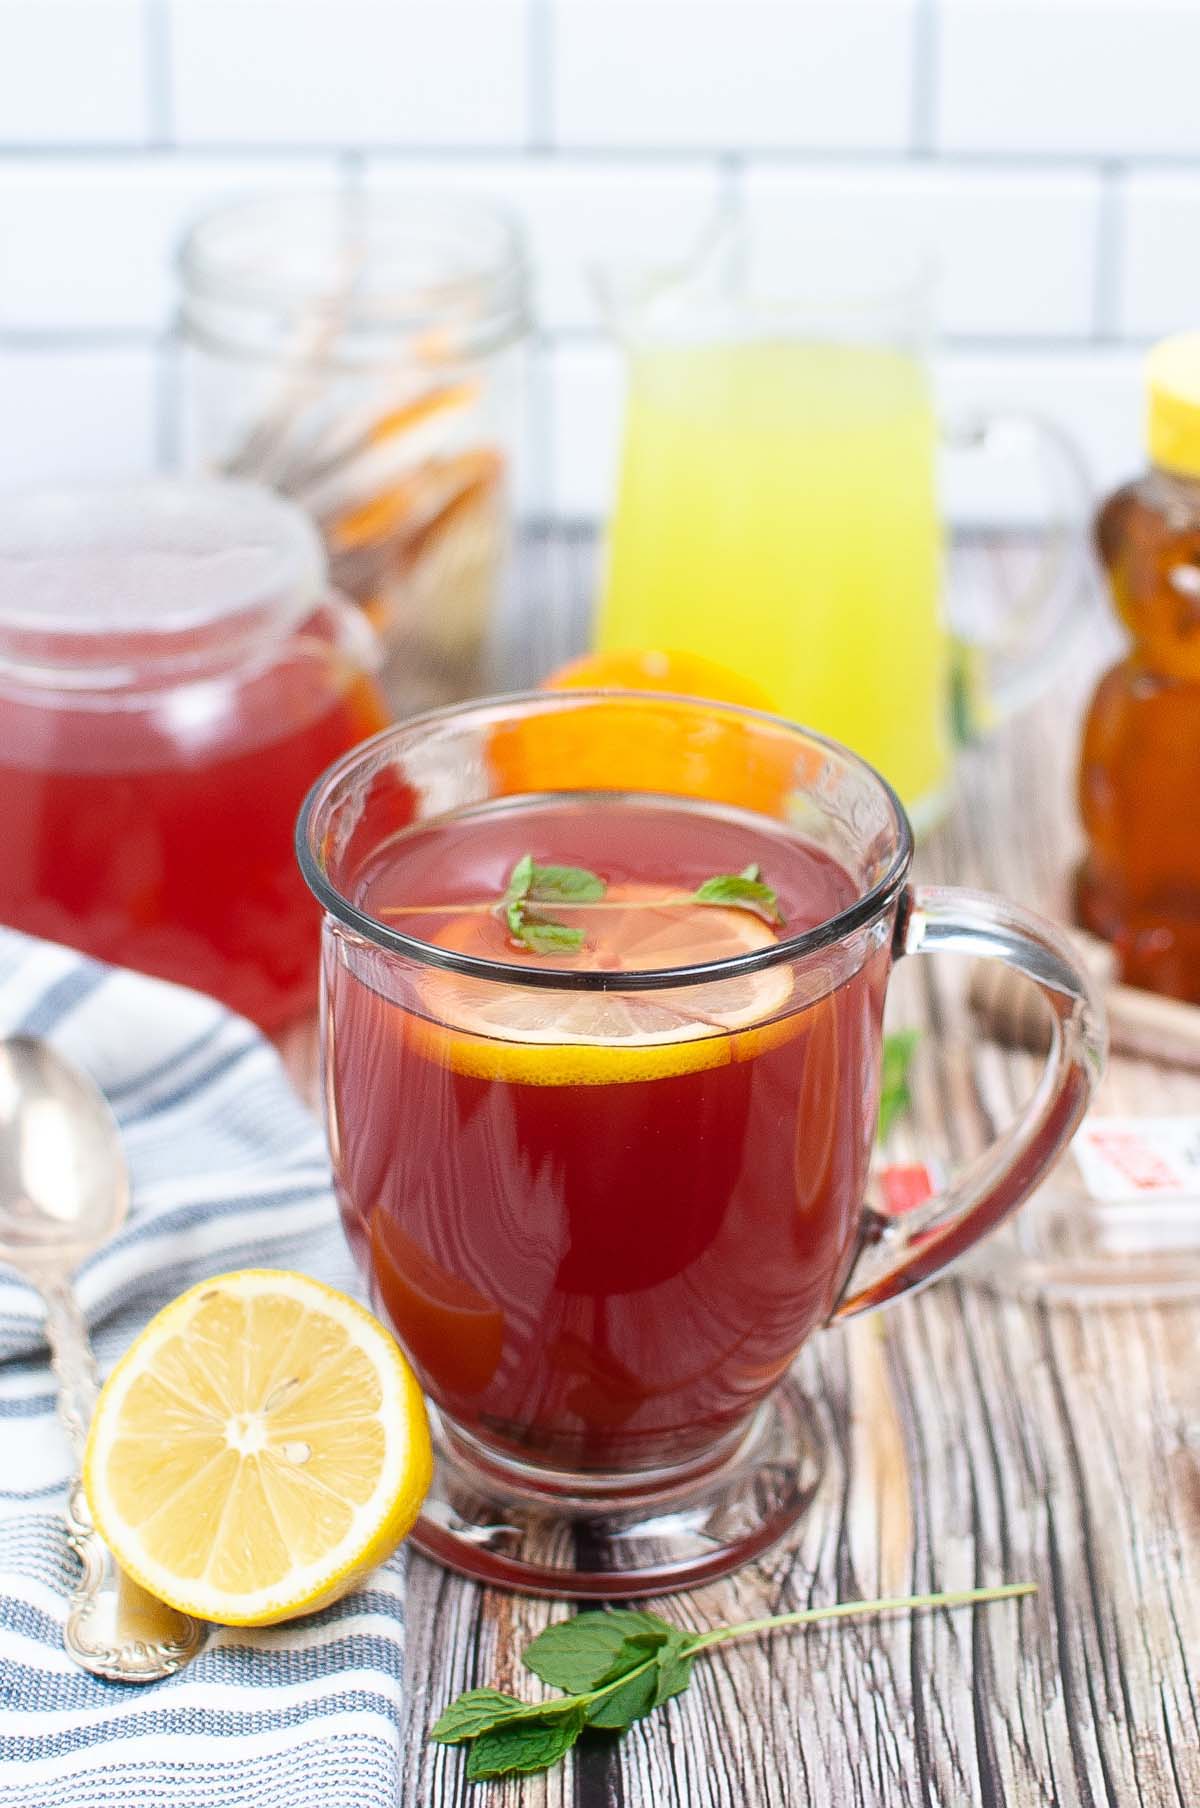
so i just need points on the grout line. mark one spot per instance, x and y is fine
(168, 378)
(539, 73)
(1083, 162)
(987, 344)
(81, 339)
(574, 336)
(539, 386)
(352, 171)
(731, 182)
(1106, 298)
(156, 27)
(926, 77)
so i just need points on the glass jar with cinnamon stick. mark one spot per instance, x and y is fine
(363, 355)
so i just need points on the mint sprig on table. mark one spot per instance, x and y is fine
(530, 886)
(617, 1667)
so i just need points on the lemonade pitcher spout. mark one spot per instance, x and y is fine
(684, 295)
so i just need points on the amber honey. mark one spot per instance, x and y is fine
(1139, 779)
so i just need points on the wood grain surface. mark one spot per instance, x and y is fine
(971, 1439)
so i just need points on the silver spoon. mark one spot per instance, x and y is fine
(64, 1190)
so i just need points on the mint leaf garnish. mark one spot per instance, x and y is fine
(619, 1667)
(529, 883)
(514, 916)
(746, 890)
(894, 1095)
(565, 885)
(545, 937)
(519, 880)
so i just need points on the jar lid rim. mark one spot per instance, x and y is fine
(161, 568)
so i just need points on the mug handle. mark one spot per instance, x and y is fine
(1040, 621)
(900, 1254)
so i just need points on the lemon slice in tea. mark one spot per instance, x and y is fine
(260, 1447)
(564, 1038)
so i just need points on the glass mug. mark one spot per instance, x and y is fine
(777, 504)
(603, 1199)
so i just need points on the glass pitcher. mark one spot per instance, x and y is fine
(777, 505)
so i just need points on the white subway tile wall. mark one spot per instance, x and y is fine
(733, 73)
(73, 413)
(1047, 152)
(265, 72)
(74, 72)
(578, 215)
(1015, 250)
(89, 242)
(1159, 211)
(1098, 77)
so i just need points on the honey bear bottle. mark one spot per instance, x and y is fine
(1139, 778)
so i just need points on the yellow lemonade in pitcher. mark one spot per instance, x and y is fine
(776, 512)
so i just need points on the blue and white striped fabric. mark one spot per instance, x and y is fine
(229, 1171)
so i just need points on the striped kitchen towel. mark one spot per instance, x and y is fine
(228, 1171)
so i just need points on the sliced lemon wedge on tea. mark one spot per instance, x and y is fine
(259, 1448)
(545, 1037)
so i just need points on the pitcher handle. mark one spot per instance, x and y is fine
(900, 1254)
(1057, 597)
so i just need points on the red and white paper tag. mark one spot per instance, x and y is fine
(1151, 1158)
(904, 1185)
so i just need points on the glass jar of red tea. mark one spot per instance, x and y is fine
(174, 673)
(363, 354)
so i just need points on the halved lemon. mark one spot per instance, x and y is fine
(259, 1448)
(575, 1038)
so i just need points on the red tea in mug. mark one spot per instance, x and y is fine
(601, 1221)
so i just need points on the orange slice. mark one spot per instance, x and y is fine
(670, 749)
(544, 1037)
(653, 669)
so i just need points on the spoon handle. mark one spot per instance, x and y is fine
(78, 1380)
(114, 1628)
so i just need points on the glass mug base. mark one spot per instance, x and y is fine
(615, 1537)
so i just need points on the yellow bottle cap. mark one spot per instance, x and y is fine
(1173, 404)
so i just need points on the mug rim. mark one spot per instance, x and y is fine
(862, 910)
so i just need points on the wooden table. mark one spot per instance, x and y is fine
(971, 1440)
